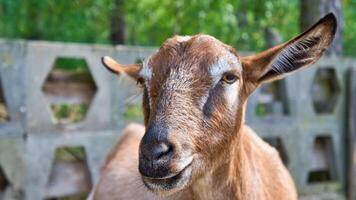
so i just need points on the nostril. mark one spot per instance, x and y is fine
(157, 151)
(161, 150)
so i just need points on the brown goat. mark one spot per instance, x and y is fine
(195, 144)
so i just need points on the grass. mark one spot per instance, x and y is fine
(69, 113)
(70, 153)
(133, 112)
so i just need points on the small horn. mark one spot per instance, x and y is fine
(117, 68)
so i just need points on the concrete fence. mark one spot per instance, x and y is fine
(48, 151)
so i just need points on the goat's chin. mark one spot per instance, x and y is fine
(164, 187)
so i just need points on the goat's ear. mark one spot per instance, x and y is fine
(131, 70)
(290, 56)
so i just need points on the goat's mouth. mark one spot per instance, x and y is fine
(168, 185)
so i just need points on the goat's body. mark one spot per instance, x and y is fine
(264, 176)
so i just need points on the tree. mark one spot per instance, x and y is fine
(311, 11)
(117, 25)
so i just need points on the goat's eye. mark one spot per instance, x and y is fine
(229, 78)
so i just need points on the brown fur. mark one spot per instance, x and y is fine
(184, 98)
(120, 178)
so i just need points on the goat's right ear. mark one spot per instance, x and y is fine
(132, 70)
(303, 50)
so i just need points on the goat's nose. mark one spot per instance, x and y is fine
(156, 151)
(155, 144)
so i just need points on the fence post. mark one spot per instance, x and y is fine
(352, 136)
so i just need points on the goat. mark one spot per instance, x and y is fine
(194, 143)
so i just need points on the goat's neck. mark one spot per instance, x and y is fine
(226, 179)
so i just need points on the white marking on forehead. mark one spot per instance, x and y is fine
(222, 65)
(146, 71)
(183, 38)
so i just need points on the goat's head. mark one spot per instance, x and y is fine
(194, 92)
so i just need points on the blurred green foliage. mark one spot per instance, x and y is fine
(349, 34)
(65, 20)
(237, 22)
(69, 113)
(133, 112)
(240, 23)
(70, 154)
(71, 64)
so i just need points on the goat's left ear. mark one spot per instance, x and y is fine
(131, 70)
(295, 54)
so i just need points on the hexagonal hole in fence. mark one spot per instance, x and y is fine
(4, 114)
(323, 161)
(4, 183)
(272, 100)
(325, 90)
(70, 176)
(69, 88)
(277, 143)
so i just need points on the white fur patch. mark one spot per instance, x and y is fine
(204, 99)
(218, 68)
(231, 94)
(222, 65)
(91, 194)
(184, 163)
(146, 71)
(183, 38)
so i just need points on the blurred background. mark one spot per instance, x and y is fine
(61, 111)
(244, 24)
